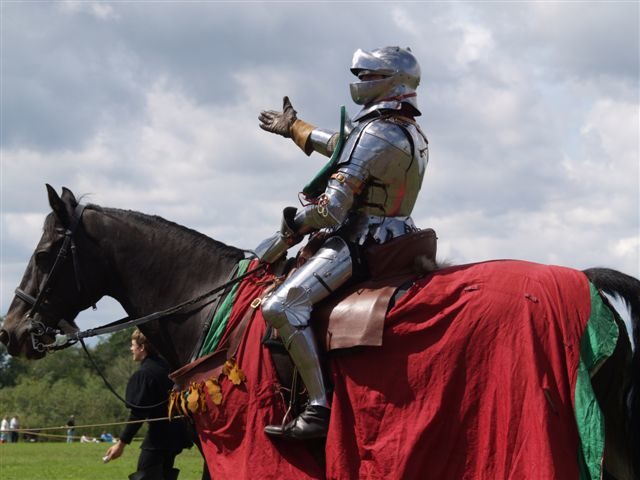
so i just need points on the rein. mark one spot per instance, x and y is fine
(127, 322)
(69, 339)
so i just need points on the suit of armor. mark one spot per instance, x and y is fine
(368, 199)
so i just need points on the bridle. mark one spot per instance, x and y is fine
(63, 332)
(38, 329)
(66, 334)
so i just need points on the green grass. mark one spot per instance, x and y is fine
(81, 461)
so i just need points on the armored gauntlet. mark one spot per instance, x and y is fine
(272, 248)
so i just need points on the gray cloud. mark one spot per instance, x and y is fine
(531, 110)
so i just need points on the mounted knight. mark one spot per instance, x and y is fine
(362, 198)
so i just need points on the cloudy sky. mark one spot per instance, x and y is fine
(531, 110)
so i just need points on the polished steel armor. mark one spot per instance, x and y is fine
(399, 74)
(289, 309)
(323, 141)
(379, 176)
(368, 199)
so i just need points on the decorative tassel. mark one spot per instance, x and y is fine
(232, 370)
(215, 392)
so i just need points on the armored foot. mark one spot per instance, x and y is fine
(310, 424)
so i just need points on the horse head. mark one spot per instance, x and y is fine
(57, 283)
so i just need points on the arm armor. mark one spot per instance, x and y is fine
(332, 207)
(272, 248)
(323, 141)
(312, 139)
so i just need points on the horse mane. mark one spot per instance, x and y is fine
(190, 236)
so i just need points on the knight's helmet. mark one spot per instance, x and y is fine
(401, 73)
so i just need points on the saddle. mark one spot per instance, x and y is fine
(354, 317)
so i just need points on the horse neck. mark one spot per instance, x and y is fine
(155, 265)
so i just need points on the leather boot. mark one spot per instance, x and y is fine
(152, 473)
(310, 424)
(171, 474)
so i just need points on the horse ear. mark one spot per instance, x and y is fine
(69, 198)
(57, 205)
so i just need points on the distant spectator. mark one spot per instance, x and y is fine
(4, 430)
(71, 428)
(106, 437)
(30, 435)
(85, 439)
(14, 426)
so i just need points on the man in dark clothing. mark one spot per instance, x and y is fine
(149, 387)
(71, 428)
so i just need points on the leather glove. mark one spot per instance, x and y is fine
(287, 227)
(279, 122)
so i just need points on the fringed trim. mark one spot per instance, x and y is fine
(192, 400)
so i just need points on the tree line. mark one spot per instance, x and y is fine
(46, 392)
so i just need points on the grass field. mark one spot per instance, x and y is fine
(80, 461)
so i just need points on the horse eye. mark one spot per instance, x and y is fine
(43, 260)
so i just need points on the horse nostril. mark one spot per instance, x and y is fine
(4, 337)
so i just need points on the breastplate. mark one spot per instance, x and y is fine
(390, 155)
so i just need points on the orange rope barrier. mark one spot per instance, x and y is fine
(52, 435)
(39, 429)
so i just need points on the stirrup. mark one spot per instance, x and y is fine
(310, 424)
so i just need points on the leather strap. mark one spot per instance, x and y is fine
(215, 305)
(236, 336)
(300, 134)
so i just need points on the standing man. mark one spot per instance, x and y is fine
(14, 426)
(71, 428)
(147, 396)
(366, 198)
(4, 428)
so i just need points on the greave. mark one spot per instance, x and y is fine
(303, 351)
(288, 310)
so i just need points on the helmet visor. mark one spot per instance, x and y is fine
(364, 93)
(363, 60)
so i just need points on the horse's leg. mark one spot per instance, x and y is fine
(205, 472)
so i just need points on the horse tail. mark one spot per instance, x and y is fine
(615, 283)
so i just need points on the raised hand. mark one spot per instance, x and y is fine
(279, 122)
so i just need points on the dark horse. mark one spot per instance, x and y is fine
(149, 264)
